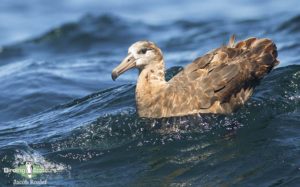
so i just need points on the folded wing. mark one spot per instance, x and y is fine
(224, 78)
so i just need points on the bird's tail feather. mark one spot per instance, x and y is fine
(231, 41)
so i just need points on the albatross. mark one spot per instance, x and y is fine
(219, 82)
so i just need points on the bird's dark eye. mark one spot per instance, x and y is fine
(143, 51)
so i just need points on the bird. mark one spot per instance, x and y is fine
(219, 82)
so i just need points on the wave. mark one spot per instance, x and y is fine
(99, 128)
(115, 107)
(291, 25)
(88, 34)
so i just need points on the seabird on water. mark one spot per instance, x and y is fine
(219, 82)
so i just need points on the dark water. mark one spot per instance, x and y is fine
(60, 109)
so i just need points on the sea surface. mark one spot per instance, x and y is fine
(60, 110)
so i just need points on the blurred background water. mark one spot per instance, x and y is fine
(60, 109)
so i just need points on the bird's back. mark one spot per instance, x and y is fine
(221, 80)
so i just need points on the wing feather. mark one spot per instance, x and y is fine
(227, 74)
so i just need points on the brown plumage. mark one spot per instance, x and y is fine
(219, 82)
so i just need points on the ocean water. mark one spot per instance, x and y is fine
(60, 110)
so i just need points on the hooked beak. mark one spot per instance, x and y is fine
(126, 64)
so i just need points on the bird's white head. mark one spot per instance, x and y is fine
(140, 55)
